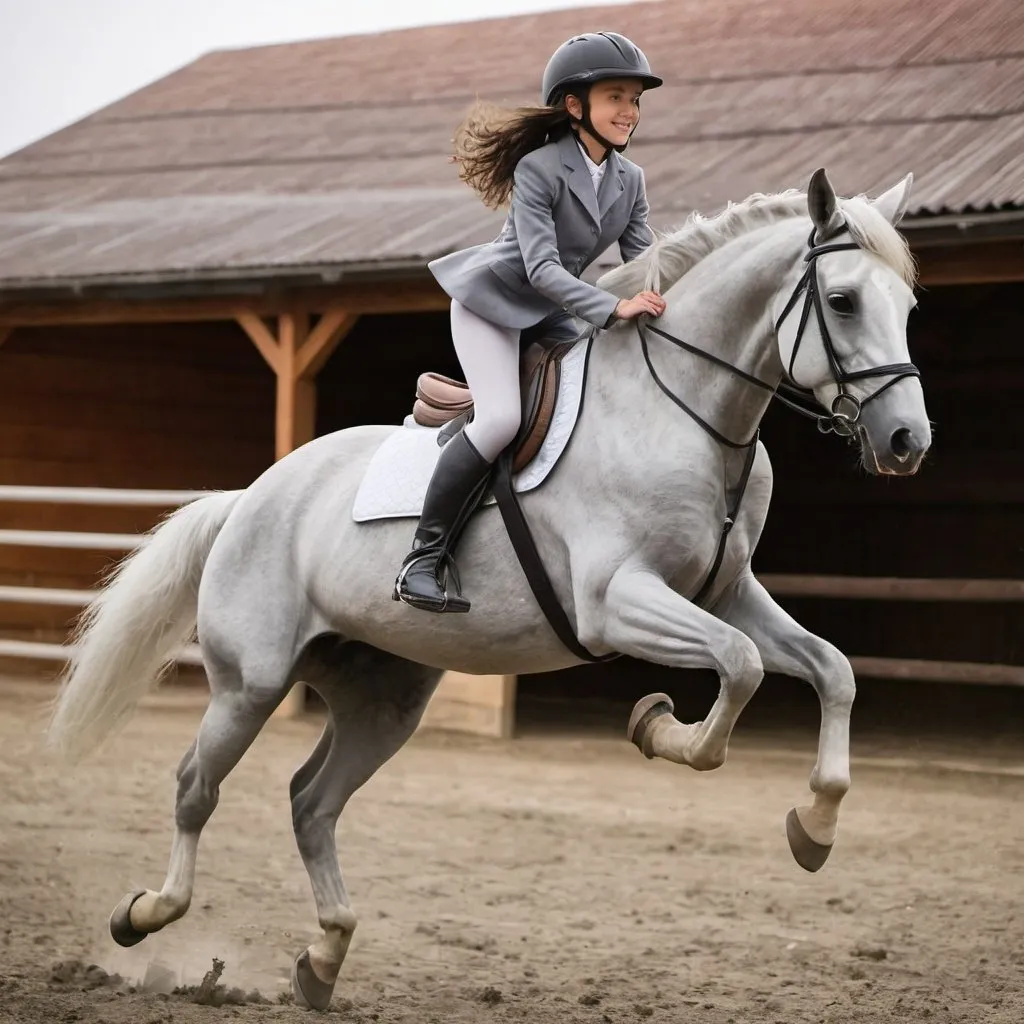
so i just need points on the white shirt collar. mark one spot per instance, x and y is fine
(596, 170)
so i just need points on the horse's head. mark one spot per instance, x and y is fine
(842, 326)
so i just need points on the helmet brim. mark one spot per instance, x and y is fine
(602, 75)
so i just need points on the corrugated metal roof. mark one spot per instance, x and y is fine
(335, 152)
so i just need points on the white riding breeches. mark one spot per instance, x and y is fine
(489, 356)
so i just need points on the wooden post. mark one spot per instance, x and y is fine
(296, 355)
(482, 705)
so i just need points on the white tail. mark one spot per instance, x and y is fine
(125, 639)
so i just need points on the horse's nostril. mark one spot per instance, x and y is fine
(901, 443)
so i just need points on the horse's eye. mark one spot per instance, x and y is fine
(841, 303)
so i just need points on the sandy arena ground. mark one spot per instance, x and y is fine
(548, 879)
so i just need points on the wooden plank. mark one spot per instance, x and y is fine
(30, 515)
(481, 705)
(66, 539)
(939, 671)
(57, 596)
(886, 588)
(323, 340)
(118, 496)
(980, 263)
(188, 655)
(269, 346)
(411, 295)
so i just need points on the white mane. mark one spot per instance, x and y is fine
(673, 254)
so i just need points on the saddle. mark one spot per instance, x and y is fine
(448, 403)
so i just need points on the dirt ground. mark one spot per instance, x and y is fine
(551, 878)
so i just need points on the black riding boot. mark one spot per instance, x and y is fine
(454, 491)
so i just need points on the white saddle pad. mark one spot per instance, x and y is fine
(395, 482)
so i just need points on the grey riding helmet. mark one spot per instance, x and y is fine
(589, 58)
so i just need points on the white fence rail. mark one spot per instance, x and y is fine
(119, 543)
(838, 587)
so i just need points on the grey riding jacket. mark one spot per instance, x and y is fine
(556, 227)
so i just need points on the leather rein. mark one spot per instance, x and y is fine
(842, 418)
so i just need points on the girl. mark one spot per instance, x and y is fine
(572, 196)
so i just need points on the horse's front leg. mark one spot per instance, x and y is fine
(788, 648)
(643, 617)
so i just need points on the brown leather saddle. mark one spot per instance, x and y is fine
(448, 403)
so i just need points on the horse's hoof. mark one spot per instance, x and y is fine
(122, 931)
(309, 991)
(646, 710)
(809, 854)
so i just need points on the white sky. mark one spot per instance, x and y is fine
(63, 59)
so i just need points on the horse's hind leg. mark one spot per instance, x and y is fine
(375, 702)
(233, 719)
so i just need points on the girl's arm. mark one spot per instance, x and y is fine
(638, 234)
(532, 200)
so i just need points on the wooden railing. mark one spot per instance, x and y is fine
(837, 587)
(116, 543)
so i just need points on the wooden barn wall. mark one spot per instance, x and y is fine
(164, 406)
(192, 406)
(141, 405)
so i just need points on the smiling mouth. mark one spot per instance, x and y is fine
(620, 126)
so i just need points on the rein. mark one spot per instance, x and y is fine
(842, 418)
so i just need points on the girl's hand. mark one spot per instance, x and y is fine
(642, 302)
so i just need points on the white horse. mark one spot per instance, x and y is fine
(285, 586)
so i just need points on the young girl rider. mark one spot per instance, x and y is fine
(572, 196)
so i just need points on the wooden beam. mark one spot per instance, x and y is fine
(981, 263)
(333, 326)
(296, 395)
(295, 425)
(893, 588)
(979, 673)
(261, 337)
(409, 296)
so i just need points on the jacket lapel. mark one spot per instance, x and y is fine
(611, 184)
(580, 183)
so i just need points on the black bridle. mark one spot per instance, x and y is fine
(841, 419)
(844, 414)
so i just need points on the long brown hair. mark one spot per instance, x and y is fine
(491, 141)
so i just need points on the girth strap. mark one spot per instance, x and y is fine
(533, 566)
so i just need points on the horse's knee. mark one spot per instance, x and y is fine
(741, 668)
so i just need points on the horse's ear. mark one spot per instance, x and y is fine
(892, 205)
(823, 206)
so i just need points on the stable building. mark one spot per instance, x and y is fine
(212, 271)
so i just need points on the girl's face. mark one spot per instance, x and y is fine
(614, 108)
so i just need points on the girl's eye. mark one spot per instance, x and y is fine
(841, 303)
